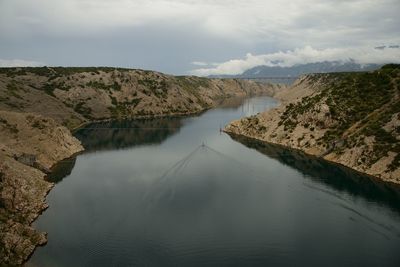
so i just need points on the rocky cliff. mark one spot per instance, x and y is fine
(348, 118)
(73, 96)
(39, 107)
(30, 145)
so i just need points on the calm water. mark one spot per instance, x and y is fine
(147, 193)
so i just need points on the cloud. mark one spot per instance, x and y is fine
(249, 21)
(229, 27)
(19, 63)
(303, 55)
(199, 63)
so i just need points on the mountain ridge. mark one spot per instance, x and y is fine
(296, 70)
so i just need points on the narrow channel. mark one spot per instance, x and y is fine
(179, 192)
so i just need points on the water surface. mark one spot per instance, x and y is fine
(178, 192)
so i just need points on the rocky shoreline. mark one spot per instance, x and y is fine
(349, 119)
(27, 154)
(247, 139)
(235, 132)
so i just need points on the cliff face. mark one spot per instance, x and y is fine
(73, 96)
(29, 146)
(38, 107)
(349, 118)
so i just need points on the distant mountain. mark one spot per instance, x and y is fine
(297, 70)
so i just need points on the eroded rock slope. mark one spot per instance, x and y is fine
(348, 118)
(73, 96)
(30, 145)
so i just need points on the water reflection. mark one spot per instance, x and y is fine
(112, 135)
(335, 176)
(231, 102)
(121, 134)
(61, 170)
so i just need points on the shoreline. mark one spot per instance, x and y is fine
(52, 185)
(315, 118)
(169, 115)
(337, 164)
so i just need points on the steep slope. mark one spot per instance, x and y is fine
(349, 118)
(73, 96)
(29, 146)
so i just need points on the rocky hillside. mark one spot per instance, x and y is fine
(349, 118)
(30, 145)
(73, 96)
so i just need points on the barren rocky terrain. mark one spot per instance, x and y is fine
(73, 96)
(40, 106)
(30, 145)
(349, 118)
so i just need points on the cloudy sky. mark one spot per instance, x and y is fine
(198, 37)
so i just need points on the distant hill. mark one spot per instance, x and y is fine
(300, 69)
(73, 96)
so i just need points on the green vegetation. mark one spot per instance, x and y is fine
(123, 109)
(395, 163)
(384, 141)
(12, 89)
(102, 86)
(364, 102)
(192, 86)
(391, 66)
(289, 116)
(49, 87)
(158, 87)
(195, 82)
(38, 124)
(83, 110)
(54, 72)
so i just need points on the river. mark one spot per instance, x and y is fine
(178, 192)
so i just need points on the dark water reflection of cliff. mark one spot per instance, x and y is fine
(61, 170)
(340, 178)
(113, 135)
(121, 134)
(124, 134)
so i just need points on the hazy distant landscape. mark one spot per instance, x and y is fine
(301, 69)
(208, 133)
